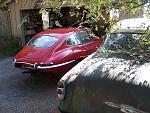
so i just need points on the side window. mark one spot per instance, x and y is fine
(73, 40)
(85, 37)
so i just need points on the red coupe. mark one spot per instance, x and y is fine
(56, 50)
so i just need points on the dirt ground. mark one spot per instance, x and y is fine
(23, 93)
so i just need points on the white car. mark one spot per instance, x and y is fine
(115, 79)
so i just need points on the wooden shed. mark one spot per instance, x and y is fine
(18, 11)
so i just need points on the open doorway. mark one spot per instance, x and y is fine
(32, 23)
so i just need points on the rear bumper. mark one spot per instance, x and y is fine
(25, 65)
(53, 66)
(57, 68)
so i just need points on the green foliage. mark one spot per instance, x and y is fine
(4, 8)
(96, 6)
(9, 46)
(100, 9)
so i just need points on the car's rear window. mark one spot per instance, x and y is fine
(44, 41)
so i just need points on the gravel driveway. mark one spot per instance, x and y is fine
(22, 93)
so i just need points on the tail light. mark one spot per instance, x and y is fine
(60, 84)
(60, 90)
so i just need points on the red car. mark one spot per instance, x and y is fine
(56, 50)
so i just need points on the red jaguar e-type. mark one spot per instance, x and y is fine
(56, 50)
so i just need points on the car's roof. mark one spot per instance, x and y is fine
(133, 25)
(59, 31)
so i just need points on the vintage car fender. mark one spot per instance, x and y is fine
(94, 88)
(60, 56)
(64, 56)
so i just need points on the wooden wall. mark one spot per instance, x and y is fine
(5, 30)
(15, 16)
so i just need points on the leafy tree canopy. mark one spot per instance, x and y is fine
(95, 6)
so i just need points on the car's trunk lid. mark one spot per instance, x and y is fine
(34, 53)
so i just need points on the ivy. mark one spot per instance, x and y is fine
(4, 8)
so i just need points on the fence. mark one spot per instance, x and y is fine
(5, 27)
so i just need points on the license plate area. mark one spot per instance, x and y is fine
(27, 66)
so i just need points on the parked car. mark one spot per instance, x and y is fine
(57, 50)
(116, 78)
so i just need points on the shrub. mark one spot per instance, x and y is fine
(9, 46)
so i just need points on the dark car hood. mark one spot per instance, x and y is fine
(114, 69)
(118, 67)
(119, 70)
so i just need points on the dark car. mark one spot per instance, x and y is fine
(57, 50)
(115, 79)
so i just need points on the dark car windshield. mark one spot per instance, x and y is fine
(133, 45)
(42, 41)
(122, 41)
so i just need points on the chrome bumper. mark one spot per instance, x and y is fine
(53, 66)
(26, 65)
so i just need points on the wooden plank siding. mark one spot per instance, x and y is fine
(13, 19)
(5, 29)
(18, 6)
(15, 9)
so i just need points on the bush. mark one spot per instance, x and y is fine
(9, 46)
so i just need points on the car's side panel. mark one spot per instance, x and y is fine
(68, 54)
(72, 54)
(95, 96)
(92, 46)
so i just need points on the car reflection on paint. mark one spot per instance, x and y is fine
(115, 79)
(57, 50)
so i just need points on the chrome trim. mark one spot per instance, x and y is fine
(25, 63)
(53, 66)
(36, 66)
(62, 95)
(125, 108)
(31, 66)
(14, 60)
